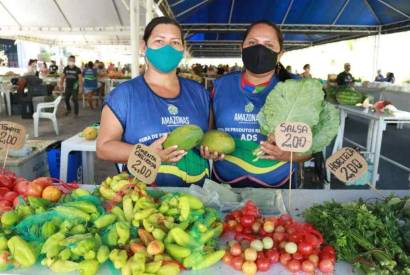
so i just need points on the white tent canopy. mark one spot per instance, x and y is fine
(70, 22)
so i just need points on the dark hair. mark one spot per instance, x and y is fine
(90, 64)
(279, 70)
(71, 57)
(306, 66)
(31, 61)
(268, 23)
(160, 20)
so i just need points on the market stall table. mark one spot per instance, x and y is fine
(306, 198)
(32, 165)
(87, 148)
(377, 125)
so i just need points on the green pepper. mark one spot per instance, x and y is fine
(90, 255)
(48, 229)
(119, 213)
(52, 241)
(127, 208)
(65, 254)
(63, 266)
(66, 226)
(9, 218)
(103, 254)
(21, 251)
(76, 193)
(3, 242)
(78, 229)
(111, 237)
(123, 232)
(209, 259)
(23, 210)
(105, 220)
(153, 267)
(118, 258)
(83, 246)
(169, 269)
(88, 267)
(37, 202)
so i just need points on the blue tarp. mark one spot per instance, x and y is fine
(331, 13)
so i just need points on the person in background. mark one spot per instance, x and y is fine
(90, 84)
(32, 68)
(345, 78)
(289, 68)
(236, 68)
(379, 76)
(73, 81)
(53, 69)
(306, 72)
(390, 78)
(44, 69)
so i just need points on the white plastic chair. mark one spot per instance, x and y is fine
(42, 114)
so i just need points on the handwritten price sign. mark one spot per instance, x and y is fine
(347, 164)
(144, 163)
(12, 135)
(293, 136)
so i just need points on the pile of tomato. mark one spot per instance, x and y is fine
(260, 242)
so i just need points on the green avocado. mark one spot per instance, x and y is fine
(185, 137)
(218, 141)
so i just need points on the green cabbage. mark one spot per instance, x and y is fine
(300, 101)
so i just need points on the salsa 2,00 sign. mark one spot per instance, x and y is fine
(347, 164)
(12, 135)
(293, 136)
(144, 163)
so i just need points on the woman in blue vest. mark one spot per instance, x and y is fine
(90, 84)
(146, 108)
(237, 99)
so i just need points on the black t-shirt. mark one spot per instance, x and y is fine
(344, 79)
(53, 69)
(71, 77)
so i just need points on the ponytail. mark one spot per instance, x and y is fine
(282, 73)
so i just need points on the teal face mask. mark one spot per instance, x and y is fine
(164, 59)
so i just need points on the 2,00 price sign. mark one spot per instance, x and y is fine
(144, 163)
(293, 136)
(12, 135)
(347, 164)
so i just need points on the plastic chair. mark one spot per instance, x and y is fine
(43, 114)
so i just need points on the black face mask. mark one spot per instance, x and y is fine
(259, 59)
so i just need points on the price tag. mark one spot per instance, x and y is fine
(12, 135)
(293, 136)
(144, 163)
(347, 164)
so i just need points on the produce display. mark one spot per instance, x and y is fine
(119, 222)
(349, 96)
(301, 101)
(374, 236)
(260, 242)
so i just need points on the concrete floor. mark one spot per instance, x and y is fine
(69, 126)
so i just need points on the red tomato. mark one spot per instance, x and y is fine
(247, 220)
(3, 190)
(21, 187)
(308, 267)
(5, 206)
(247, 230)
(7, 181)
(312, 240)
(314, 259)
(245, 244)
(293, 266)
(272, 256)
(285, 258)
(231, 224)
(237, 262)
(34, 190)
(236, 214)
(294, 238)
(279, 236)
(256, 227)
(43, 181)
(291, 230)
(280, 229)
(326, 266)
(324, 256)
(263, 264)
(297, 256)
(285, 220)
(260, 255)
(328, 250)
(238, 228)
(10, 196)
(235, 249)
(305, 248)
(227, 258)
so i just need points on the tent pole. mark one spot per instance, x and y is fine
(149, 11)
(376, 52)
(135, 34)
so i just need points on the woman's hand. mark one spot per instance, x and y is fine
(211, 156)
(171, 154)
(272, 151)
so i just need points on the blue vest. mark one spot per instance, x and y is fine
(90, 79)
(235, 112)
(145, 117)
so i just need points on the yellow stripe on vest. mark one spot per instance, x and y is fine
(251, 168)
(174, 170)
